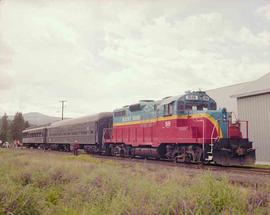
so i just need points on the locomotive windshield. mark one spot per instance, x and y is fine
(196, 101)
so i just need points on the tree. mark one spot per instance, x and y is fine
(26, 124)
(17, 126)
(4, 131)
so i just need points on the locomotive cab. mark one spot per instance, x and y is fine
(223, 140)
(195, 101)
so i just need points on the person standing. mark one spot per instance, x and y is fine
(76, 147)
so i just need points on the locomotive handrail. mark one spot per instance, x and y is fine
(212, 134)
(107, 131)
(201, 120)
(245, 121)
(240, 121)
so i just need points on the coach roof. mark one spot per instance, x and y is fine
(84, 119)
(34, 128)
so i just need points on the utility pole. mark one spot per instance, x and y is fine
(63, 106)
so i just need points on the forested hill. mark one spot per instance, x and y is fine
(35, 118)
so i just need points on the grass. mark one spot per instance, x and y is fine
(263, 166)
(48, 183)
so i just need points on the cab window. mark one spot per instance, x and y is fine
(119, 113)
(202, 107)
(213, 106)
(181, 106)
(196, 107)
(168, 109)
(188, 107)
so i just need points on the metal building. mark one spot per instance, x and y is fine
(253, 104)
(223, 98)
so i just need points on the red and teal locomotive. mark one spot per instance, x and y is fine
(187, 128)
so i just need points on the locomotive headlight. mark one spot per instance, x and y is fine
(224, 115)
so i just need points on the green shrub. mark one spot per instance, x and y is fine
(19, 202)
(212, 196)
(53, 195)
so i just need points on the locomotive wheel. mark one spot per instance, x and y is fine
(122, 153)
(188, 158)
(179, 158)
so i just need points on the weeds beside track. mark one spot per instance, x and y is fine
(37, 182)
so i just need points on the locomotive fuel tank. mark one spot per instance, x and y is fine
(146, 152)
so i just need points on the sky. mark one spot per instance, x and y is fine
(100, 55)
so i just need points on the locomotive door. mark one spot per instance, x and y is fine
(148, 133)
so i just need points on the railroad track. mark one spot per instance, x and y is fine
(209, 167)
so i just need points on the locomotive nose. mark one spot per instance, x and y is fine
(238, 152)
(235, 130)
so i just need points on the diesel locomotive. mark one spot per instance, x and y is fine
(187, 128)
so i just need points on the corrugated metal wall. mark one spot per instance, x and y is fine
(256, 109)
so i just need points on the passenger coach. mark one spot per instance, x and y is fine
(86, 131)
(35, 137)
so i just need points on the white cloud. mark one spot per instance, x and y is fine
(192, 48)
(264, 11)
(100, 56)
(5, 81)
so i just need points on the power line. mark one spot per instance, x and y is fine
(63, 106)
